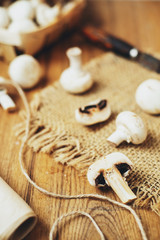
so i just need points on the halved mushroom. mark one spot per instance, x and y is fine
(130, 128)
(95, 112)
(112, 170)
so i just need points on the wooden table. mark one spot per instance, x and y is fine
(137, 22)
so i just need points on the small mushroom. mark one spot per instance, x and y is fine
(68, 6)
(130, 128)
(75, 79)
(46, 14)
(112, 170)
(148, 96)
(6, 101)
(25, 70)
(21, 10)
(23, 26)
(4, 18)
(36, 3)
(95, 112)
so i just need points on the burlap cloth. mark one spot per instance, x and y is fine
(55, 131)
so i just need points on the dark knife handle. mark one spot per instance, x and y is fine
(108, 41)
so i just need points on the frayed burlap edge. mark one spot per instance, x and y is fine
(66, 149)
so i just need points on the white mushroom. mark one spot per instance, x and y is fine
(25, 70)
(95, 112)
(46, 14)
(4, 18)
(74, 79)
(68, 7)
(148, 96)
(23, 26)
(112, 170)
(21, 10)
(36, 3)
(6, 101)
(129, 128)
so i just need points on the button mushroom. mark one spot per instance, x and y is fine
(21, 10)
(95, 112)
(112, 170)
(130, 128)
(25, 70)
(148, 96)
(74, 79)
(4, 18)
(23, 26)
(36, 3)
(46, 14)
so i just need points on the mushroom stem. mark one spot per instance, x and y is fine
(118, 136)
(114, 179)
(6, 102)
(74, 55)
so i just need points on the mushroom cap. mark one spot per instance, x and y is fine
(25, 25)
(132, 125)
(99, 167)
(25, 70)
(4, 18)
(46, 14)
(148, 96)
(35, 3)
(21, 10)
(76, 84)
(93, 115)
(68, 7)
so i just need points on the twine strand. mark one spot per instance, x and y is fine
(55, 195)
(75, 213)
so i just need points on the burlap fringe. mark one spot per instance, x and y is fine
(62, 148)
(67, 150)
(147, 200)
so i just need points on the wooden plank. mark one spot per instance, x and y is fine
(133, 21)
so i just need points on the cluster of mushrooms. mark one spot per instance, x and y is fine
(27, 16)
(112, 169)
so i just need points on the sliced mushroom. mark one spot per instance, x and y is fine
(112, 170)
(75, 79)
(130, 128)
(148, 96)
(6, 101)
(95, 112)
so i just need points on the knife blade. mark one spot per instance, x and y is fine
(121, 47)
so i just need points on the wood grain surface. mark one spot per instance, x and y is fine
(137, 22)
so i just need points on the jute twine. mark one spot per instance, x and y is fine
(52, 194)
(54, 130)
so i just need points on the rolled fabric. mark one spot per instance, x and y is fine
(17, 219)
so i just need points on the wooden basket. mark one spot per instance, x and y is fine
(32, 42)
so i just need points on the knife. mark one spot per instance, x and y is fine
(121, 47)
